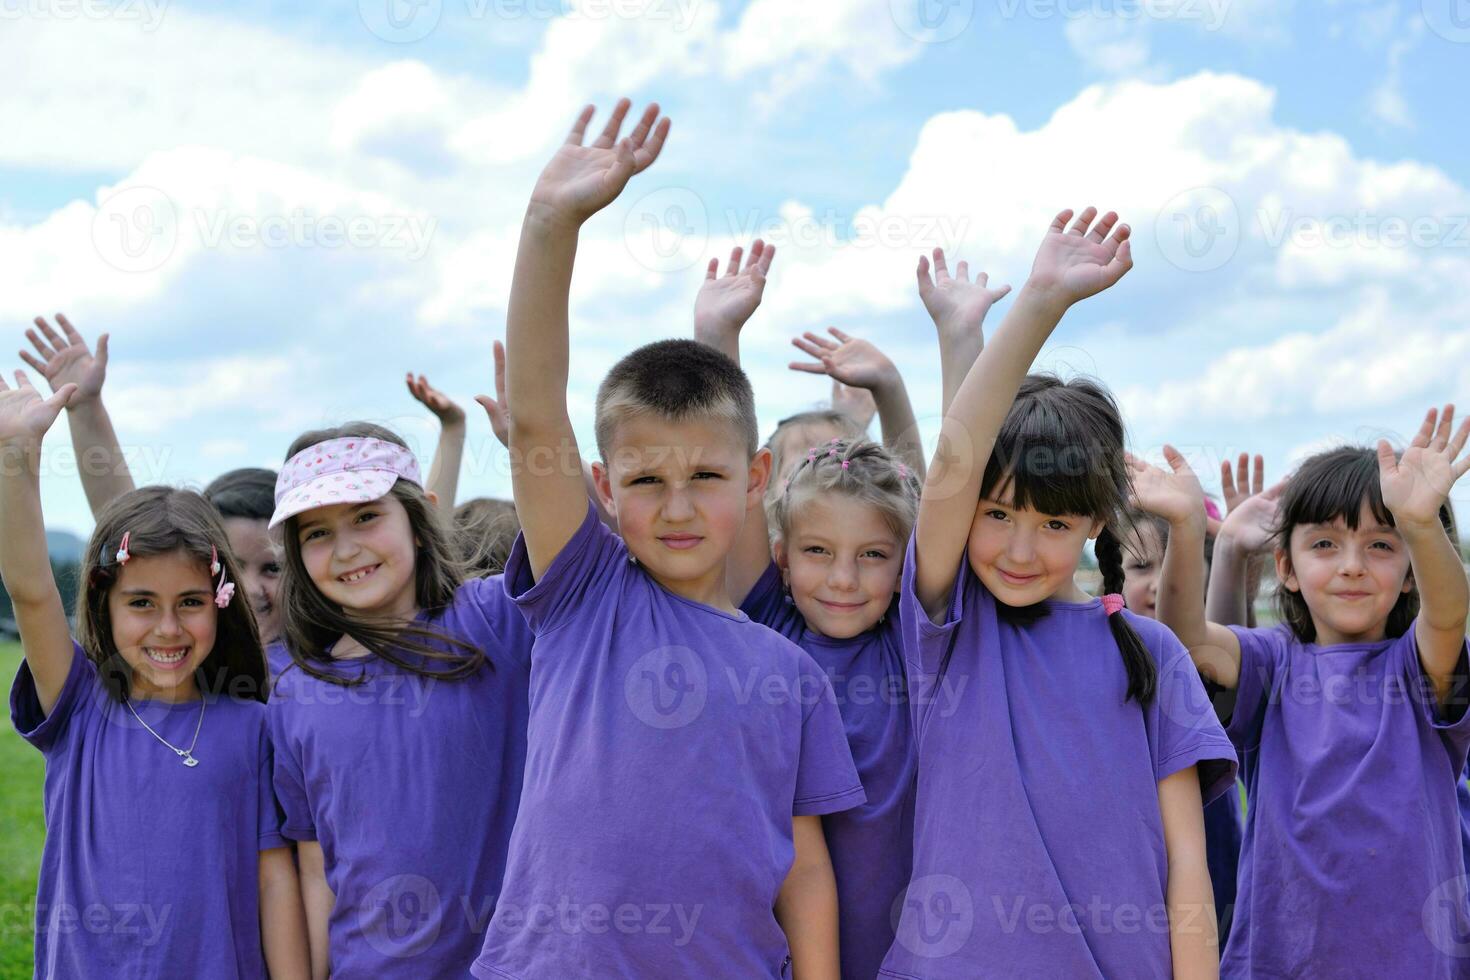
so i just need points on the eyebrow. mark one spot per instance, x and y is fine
(151, 594)
(313, 522)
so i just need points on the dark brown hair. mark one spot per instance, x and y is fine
(1060, 451)
(249, 493)
(311, 622)
(160, 521)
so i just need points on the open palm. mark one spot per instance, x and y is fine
(953, 301)
(444, 408)
(25, 416)
(850, 360)
(582, 180)
(1174, 494)
(726, 302)
(1083, 260)
(67, 359)
(1417, 484)
(1252, 521)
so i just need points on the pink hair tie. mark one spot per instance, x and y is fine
(844, 464)
(903, 471)
(224, 591)
(122, 550)
(1112, 602)
(1212, 511)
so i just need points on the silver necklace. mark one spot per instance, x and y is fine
(186, 754)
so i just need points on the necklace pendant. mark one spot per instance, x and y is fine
(190, 761)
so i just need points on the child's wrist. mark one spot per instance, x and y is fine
(550, 220)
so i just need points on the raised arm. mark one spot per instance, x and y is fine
(1072, 264)
(859, 364)
(449, 451)
(1415, 486)
(25, 566)
(1243, 539)
(725, 303)
(546, 467)
(721, 310)
(958, 307)
(1177, 497)
(67, 360)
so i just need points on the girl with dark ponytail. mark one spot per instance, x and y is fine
(1064, 743)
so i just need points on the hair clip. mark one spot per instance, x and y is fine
(836, 440)
(844, 464)
(833, 450)
(1112, 602)
(903, 471)
(122, 550)
(214, 566)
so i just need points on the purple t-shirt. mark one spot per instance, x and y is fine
(410, 786)
(871, 845)
(150, 868)
(670, 746)
(1352, 863)
(1038, 844)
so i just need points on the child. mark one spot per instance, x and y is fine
(679, 756)
(163, 854)
(1058, 824)
(1350, 717)
(399, 724)
(485, 529)
(244, 499)
(1133, 570)
(840, 526)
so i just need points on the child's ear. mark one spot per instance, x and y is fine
(1284, 574)
(433, 497)
(1408, 583)
(778, 555)
(1097, 527)
(760, 477)
(602, 483)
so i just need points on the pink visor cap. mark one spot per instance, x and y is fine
(341, 471)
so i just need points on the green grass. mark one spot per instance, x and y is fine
(21, 773)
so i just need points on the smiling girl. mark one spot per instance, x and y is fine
(163, 855)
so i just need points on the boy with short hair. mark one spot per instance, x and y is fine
(679, 756)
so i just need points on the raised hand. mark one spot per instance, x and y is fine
(1240, 485)
(725, 302)
(1417, 484)
(955, 304)
(498, 408)
(1083, 260)
(856, 403)
(849, 360)
(1174, 494)
(25, 416)
(582, 180)
(444, 408)
(67, 360)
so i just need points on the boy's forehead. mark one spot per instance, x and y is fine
(646, 441)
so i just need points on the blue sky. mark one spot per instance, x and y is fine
(1321, 141)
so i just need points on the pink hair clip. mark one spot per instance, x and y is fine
(1112, 602)
(844, 464)
(122, 550)
(224, 591)
(903, 471)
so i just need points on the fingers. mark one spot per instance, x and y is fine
(962, 271)
(101, 353)
(1119, 264)
(1059, 223)
(1258, 474)
(925, 282)
(1176, 460)
(609, 135)
(1227, 478)
(499, 351)
(30, 359)
(733, 266)
(649, 151)
(941, 268)
(712, 270)
(1458, 442)
(59, 400)
(51, 335)
(767, 257)
(72, 335)
(808, 368)
(579, 128)
(640, 132)
(842, 337)
(1002, 290)
(42, 347)
(22, 382)
(1079, 227)
(806, 346)
(1426, 429)
(826, 345)
(1446, 426)
(1387, 462)
(1100, 230)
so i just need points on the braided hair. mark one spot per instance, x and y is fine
(859, 469)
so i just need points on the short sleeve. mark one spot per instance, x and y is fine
(826, 779)
(288, 779)
(33, 724)
(268, 811)
(1262, 660)
(767, 605)
(1455, 734)
(582, 575)
(492, 619)
(925, 644)
(1187, 733)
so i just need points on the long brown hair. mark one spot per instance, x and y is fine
(312, 623)
(160, 521)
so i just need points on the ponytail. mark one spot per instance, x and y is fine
(1142, 671)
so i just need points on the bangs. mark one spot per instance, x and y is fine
(1332, 485)
(1057, 461)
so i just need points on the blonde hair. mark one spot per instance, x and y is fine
(861, 470)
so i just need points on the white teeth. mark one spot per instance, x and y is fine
(166, 658)
(356, 576)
